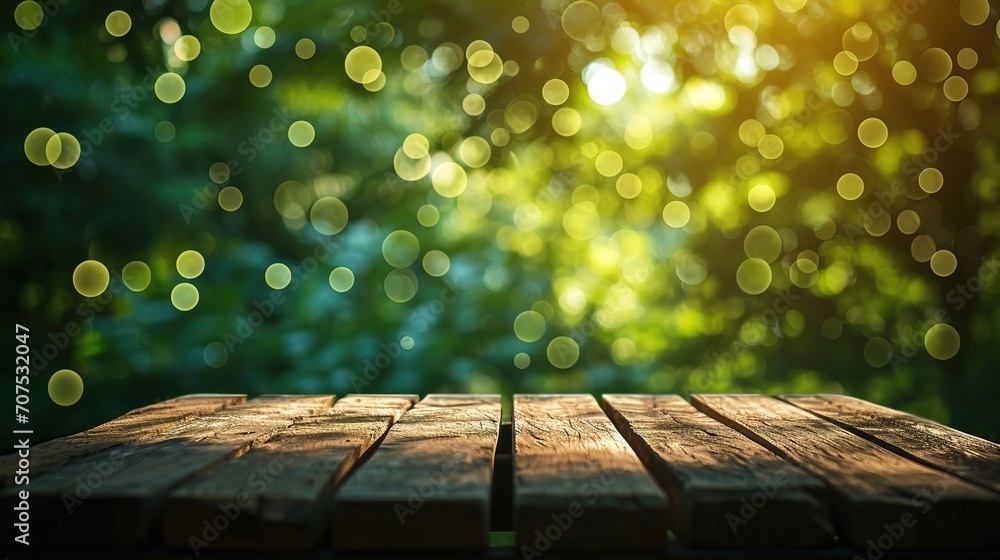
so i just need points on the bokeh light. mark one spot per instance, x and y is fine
(62, 150)
(278, 276)
(215, 354)
(260, 76)
(850, 186)
(118, 23)
(231, 16)
(328, 215)
(872, 132)
(522, 360)
(676, 214)
(606, 86)
(301, 133)
(563, 352)
(34, 145)
(65, 387)
(136, 276)
(400, 285)
(219, 173)
(400, 249)
(449, 179)
(529, 326)
(165, 131)
(363, 64)
(305, 49)
(184, 296)
(91, 278)
(942, 341)
(169, 87)
(341, 279)
(190, 264)
(187, 48)
(28, 15)
(230, 199)
(754, 276)
(436, 263)
(264, 37)
(591, 188)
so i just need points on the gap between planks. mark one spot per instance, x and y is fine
(114, 498)
(428, 486)
(577, 483)
(277, 495)
(877, 494)
(726, 490)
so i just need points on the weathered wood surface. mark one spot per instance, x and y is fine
(966, 456)
(428, 485)
(277, 495)
(881, 500)
(894, 481)
(577, 483)
(726, 491)
(141, 424)
(113, 498)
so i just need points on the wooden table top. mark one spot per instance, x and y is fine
(310, 476)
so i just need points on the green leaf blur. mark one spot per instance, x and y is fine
(668, 197)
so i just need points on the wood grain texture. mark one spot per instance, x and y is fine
(880, 499)
(134, 426)
(113, 498)
(966, 456)
(281, 488)
(577, 483)
(726, 491)
(427, 486)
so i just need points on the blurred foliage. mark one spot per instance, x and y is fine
(709, 198)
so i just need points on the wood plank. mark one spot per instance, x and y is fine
(726, 491)
(881, 500)
(577, 483)
(113, 498)
(963, 455)
(278, 493)
(427, 487)
(134, 426)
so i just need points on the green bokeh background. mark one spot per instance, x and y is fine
(132, 197)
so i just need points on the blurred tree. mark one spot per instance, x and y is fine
(691, 196)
